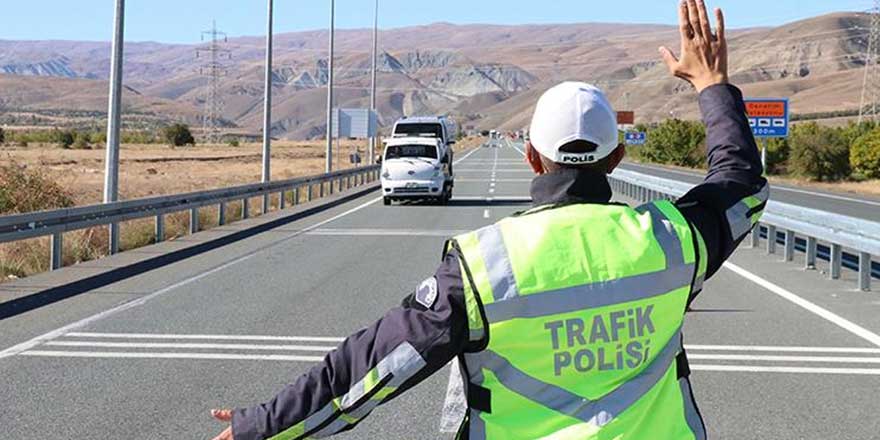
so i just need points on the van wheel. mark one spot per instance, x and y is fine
(386, 201)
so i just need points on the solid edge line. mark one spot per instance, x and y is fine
(204, 337)
(783, 349)
(206, 356)
(801, 370)
(316, 348)
(747, 357)
(828, 315)
(54, 334)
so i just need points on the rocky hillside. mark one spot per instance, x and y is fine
(486, 76)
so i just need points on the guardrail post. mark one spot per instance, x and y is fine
(864, 271)
(221, 214)
(321, 191)
(296, 196)
(245, 208)
(836, 260)
(756, 236)
(193, 220)
(788, 254)
(812, 245)
(56, 246)
(309, 193)
(160, 228)
(265, 207)
(282, 203)
(114, 238)
(771, 239)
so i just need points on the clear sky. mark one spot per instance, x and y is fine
(180, 21)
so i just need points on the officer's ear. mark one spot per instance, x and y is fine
(616, 158)
(533, 158)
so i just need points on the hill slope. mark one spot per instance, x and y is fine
(486, 76)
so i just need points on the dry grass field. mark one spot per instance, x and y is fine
(152, 170)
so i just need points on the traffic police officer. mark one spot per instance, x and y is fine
(566, 318)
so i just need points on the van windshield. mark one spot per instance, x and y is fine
(414, 151)
(417, 130)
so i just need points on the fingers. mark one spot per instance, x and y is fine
(719, 26)
(225, 435)
(223, 415)
(684, 22)
(705, 27)
(670, 59)
(694, 18)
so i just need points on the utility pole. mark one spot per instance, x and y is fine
(114, 120)
(214, 70)
(329, 166)
(267, 109)
(374, 139)
(871, 82)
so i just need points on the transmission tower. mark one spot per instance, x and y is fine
(871, 86)
(214, 70)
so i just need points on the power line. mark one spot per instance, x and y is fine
(870, 85)
(214, 70)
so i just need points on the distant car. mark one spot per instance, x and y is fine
(417, 168)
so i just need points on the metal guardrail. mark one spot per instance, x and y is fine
(56, 222)
(848, 239)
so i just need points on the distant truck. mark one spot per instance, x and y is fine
(417, 168)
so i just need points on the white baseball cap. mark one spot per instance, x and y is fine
(574, 111)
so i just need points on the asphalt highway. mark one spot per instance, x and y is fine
(777, 352)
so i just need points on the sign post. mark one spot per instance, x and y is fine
(768, 118)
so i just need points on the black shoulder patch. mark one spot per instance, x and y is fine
(426, 293)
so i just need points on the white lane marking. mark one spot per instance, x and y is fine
(775, 186)
(505, 170)
(788, 370)
(204, 337)
(499, 198)
(492, 191)
(486, 214)
(146, 355)
(318, 348)
(385, 233)
(455, 406)
(54, 334)
(832, 317)
(492, 184)
(749, 357)
(783, 349)
(495, 180)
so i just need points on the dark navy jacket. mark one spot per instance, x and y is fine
(439, 333)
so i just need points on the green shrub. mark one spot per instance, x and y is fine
(778, 152)
(26, 190)
(675, 142)
(234, 142)
(64, 138)
(819, 153)
(864, 155)
(178, 135)
(81, 141)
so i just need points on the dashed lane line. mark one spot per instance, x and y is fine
(160, 336)
(195, 356)
(786, 370)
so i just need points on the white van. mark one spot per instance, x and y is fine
(426, 126)
(417, 168)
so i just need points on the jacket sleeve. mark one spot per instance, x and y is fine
(371, 367)
(730, 201)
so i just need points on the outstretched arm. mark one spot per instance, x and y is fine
(371, 367)
(728, 204)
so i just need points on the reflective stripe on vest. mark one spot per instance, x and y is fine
(584, 306)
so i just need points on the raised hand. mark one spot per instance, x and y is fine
(703, 61)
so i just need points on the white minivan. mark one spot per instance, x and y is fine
(417, 168)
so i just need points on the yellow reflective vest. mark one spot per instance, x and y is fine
(576, 313)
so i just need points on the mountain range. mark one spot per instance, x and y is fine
(485, 76)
